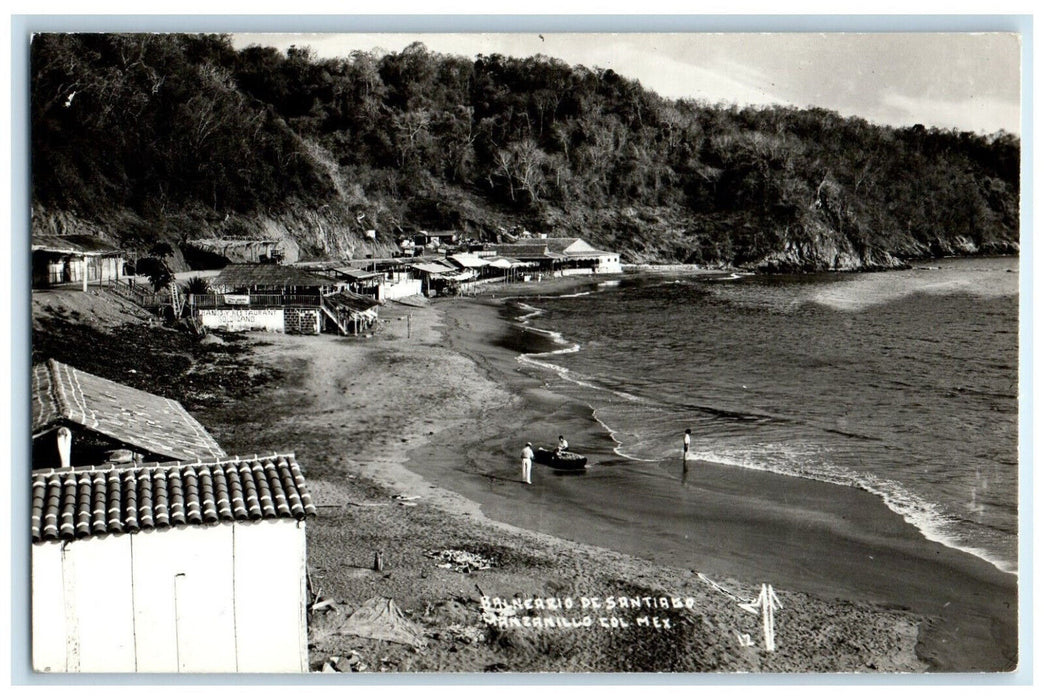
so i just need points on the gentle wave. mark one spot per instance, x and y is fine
(927, 517)
(787, 459)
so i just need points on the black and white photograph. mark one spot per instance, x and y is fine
(396, 353)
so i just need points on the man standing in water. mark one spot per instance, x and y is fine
(685, 443)
(527, 462)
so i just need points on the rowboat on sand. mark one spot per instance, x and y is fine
(560, 460)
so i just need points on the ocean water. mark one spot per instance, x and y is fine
(903, 384)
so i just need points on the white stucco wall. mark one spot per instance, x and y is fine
(243, 319)
(400, 289)
(271, 637)
(609, 265)
(223, 598)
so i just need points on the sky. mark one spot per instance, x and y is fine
(968, 81)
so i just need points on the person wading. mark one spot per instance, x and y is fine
(527, 462)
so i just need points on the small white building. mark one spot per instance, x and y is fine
(176, 567)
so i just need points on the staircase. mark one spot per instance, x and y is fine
(342, 323)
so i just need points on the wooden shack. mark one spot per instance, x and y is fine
(60, 260)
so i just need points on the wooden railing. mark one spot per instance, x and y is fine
(219, 301)
(144, 297)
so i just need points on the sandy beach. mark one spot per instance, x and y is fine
(409, 442)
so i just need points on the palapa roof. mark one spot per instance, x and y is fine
(350, 301)
(533, 249)
(76, 244)
(234, 250)
(64, 395)
(558, 247)
(266, 275)
(95, 501)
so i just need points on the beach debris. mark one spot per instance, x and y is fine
(353, 662)
(322, 605)
(460, 560)
(467, 634)
(380, 618)
(405, 500)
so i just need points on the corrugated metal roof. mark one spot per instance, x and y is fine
(433, 268)
(468, 260)
(63, 394)
(260, 275)
(78, 503)
(357, 274)
(77, 244)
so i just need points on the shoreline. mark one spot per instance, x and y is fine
(396, 444)
(807, 526)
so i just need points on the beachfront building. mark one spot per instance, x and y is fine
(393, 280)
(435, 275)
(82, 419)
(171, 567)
(274, 298)
(60, 260)
(353, 313)
(562, 256)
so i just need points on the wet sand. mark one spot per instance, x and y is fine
(798, 534)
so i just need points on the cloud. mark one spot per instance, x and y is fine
(983, 114)
(962, 80)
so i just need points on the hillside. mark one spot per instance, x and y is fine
(148, 138)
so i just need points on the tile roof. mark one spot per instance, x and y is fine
(62, 394)
(94, 501)
(262, 275)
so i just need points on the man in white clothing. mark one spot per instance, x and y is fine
(527, 462)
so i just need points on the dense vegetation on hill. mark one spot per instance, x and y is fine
(172, 137)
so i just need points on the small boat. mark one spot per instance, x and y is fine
(564, 461)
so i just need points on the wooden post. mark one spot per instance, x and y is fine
(85, 273)
(409, 319)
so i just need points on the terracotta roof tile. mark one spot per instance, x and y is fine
(95, 501)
